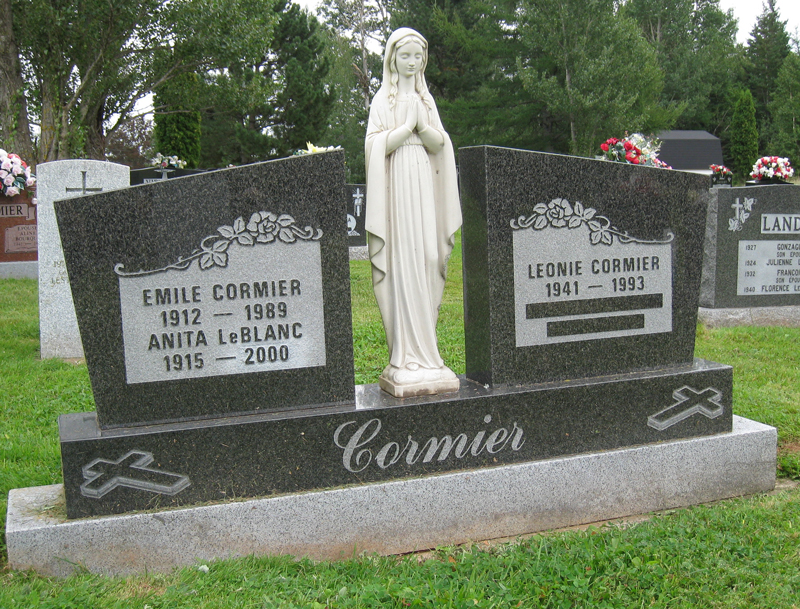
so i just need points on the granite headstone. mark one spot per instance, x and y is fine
(586, 271)
(148, 175)
(215, 294)
(752, 251)
(356, 214)
(17, 236)
(316, 435)
(58, 327)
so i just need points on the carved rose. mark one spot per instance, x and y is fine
(558, 212)
(263, 226)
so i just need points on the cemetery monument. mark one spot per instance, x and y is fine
(215, 314)
(58, 327)
(751, 263)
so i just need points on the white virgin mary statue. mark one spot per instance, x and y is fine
(413, 213)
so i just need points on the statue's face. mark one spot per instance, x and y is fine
(409, 59)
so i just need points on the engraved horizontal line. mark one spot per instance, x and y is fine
(222, 314)
(229, 357)
(595, 286)
(593, 306)
(572, 327)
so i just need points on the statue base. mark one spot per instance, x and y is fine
(402, 383)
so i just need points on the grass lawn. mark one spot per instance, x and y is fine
(737, 553)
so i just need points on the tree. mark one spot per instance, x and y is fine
(767, 47)
(743, 147)
(131, 144)
(591, 67)
(347, 124)
(84, 62)
(268, 107)
(177, 119)
(15, 134)
(695, 43)
(364, 23)
(785, 109)
(473, 46)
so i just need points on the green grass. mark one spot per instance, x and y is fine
(739, 553)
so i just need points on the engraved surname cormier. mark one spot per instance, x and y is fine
(358, 447)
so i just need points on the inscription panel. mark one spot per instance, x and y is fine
(20, 238)
(566, 290)
(263, 311)
(768, 267)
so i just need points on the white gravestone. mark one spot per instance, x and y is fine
(58, 326)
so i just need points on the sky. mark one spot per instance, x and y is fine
(746, 11)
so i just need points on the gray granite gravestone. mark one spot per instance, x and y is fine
(585, 273)
(356, 214)
(752, 251)
(203, 299)
(58, 327)
(183, 418)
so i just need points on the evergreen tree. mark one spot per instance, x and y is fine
(473, 73)
(304, 103)
(591, 68)
(695, 43)
(785, 108)
(767, 47)
(271, 107)
(743, 147)
(177, 120)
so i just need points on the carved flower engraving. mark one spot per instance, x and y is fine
(560, 213)
(264, 227)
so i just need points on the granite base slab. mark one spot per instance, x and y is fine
(381, 438)
(753, 316)
(19, 270)
(399, 516)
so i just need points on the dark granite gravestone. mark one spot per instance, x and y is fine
(148, 175)
(222, 293)
(356, 214)
(576, 268)
(752, 251)
(283, 446)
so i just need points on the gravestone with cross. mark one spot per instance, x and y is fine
(356, 214)
(751, 257)
(58, 326)
(590, 282)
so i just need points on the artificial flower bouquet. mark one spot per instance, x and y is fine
(636, 149)
(772, 167)
(313, 149)
(167, 162)
(720, 171)
(15, 174)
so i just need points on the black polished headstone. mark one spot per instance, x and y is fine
(576, 267)
(382, 438)
(356, 214)
(148, 175)
(752, 252)
(210, 295)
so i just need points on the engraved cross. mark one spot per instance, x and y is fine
(689, 402)
(83, 190)
(358, 201)
(737, 208)
(102, 476)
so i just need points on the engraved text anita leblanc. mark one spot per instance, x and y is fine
(358, 447)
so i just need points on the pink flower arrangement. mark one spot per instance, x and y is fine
(635, 149)
(15, 175)
(772, 167)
